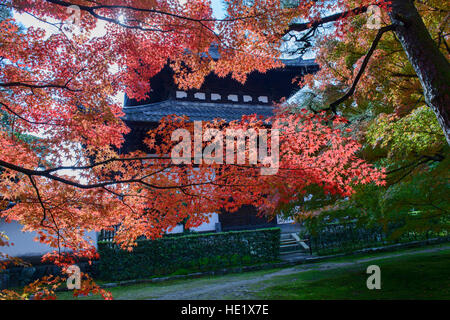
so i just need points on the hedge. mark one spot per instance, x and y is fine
(200, 252)
(334, 238)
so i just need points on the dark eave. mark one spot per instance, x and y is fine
(195, 110)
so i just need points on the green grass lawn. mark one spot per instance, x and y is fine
(407, 274)
(422, 276)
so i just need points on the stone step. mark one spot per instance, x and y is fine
(288, 245)
(295, 244)
(293, 257)
(297, 250)
(291, 245)
(287, 241)
(291, 250)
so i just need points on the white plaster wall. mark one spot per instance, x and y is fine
(208, 226)
(24, 245)
(177, 229)
(280, 220)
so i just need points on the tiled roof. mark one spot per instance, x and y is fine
(296, 62)
(299, 62)
(196, 111)
(206, 109)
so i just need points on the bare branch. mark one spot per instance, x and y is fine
(26, 120)
(37, 86)
(333, 106)
(47, 175)
(44, 209)
(335, 17)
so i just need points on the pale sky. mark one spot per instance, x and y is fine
(218, 9)
(27, 21)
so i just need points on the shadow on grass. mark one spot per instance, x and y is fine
(425, 276)
(408, 274)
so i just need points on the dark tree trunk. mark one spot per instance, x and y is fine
(430, 64)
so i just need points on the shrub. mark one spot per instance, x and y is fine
(199, 252)
(331, 238)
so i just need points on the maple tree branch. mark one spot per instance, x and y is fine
(37, 86)
(312, 25)
(332, 18)
(26, 120)
(415, 164)
(46, 174)
(409, 171)
(421, 160)
(44, 209)
(404, 75)
(30, 172)
(305, 38)
(121, 198)
(96, 164)
(333, 106)
(91, 10)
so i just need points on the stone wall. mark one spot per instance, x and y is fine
(15, 276)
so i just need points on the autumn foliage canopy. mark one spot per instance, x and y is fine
(61, 174)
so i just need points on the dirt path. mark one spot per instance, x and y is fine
(239, 286)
